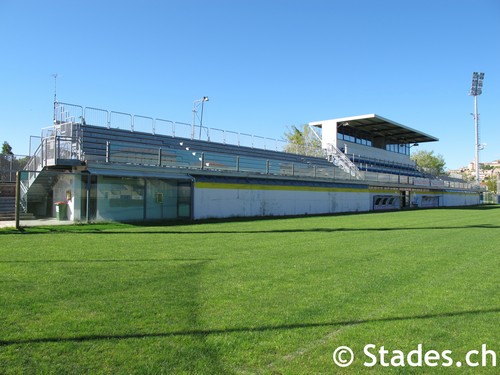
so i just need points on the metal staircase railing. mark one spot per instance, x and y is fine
(62, 141)
(338, 158)
(33, 167)
(341, 160)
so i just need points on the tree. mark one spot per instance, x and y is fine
(6, 149)
(303, 141)
(428, 162)
(491, 183)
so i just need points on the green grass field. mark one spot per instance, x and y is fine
(274, 296)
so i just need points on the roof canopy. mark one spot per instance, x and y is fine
(378, 126)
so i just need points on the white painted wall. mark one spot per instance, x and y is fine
(328, 132)
(455, 199)
(65, 190)
(447, 199)
(220, 203)
(244, 202)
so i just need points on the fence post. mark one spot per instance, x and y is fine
(18, 197)
(159, 156)
(56, 149)
(237, 163)
(11, 157)
(202, 160)
(267, 166)
(44, 152)
(88, 187)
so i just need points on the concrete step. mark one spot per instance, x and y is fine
(7, 189)
(8, 216)
(7, 204)
(27, 216)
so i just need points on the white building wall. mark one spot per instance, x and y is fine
(240, 202)
(328, 132)
(460, 199)
(446, 199)
(66, 189)
(217, 201)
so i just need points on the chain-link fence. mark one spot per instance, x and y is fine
(10, 164)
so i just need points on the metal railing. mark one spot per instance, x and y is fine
(341, 160)
(10, 164)
(59, 142)
(134, 154)
(65, 112)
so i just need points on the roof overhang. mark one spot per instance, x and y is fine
(378, 126)
(130, 171)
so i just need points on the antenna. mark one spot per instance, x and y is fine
(55, 86)
(55, 97)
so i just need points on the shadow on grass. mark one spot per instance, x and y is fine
(107, 228)
(108, 260)
(295, 230)
(205, 332)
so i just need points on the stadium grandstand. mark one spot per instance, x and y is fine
(98, 165)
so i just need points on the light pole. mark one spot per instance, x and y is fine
(476, 90)
(196, 104)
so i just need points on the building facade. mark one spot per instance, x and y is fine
(86, 171)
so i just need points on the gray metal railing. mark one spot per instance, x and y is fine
(65, 112)
(134, 154)
(99, 117)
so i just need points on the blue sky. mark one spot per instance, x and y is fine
(266, 65)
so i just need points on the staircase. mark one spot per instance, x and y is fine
(7, 200)
(7, 208)
(60, 145)
(340, 159)
(8, 203)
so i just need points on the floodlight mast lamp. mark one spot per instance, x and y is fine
(196, 104)
(476, 90)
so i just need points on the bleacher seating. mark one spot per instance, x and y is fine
(94, 139)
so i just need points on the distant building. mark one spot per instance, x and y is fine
(486, 170)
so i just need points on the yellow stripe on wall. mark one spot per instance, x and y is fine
(220, 185)
(233, 186)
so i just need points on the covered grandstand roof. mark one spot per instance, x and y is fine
(381, 127)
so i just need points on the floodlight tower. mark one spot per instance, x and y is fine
(476, 90)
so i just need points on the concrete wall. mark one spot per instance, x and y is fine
(219, 200)
(222, 200)
(446, 198)
(460, 199)
(68, 189)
